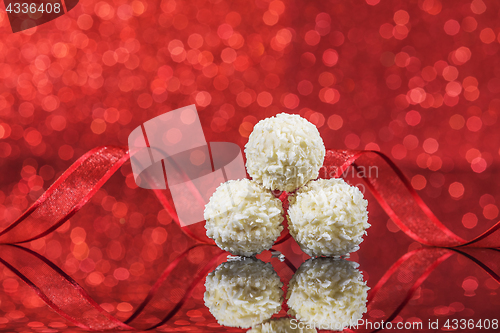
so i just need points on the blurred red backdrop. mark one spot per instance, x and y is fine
(417, 80)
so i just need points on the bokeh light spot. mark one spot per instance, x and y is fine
(410, 142)
(478, 164)
(98, 126)
(173, 135)
(418, 182)
(478, 7)
(159, 235)
(317, 119)
(335, 122)
(430, 145)
(401, 17)
(490, 211)
(145, 100)
(487, 35)
(330, 57)
(386, 30)
(291, 101)
(352, 141)
(452, 27)
(203, 98)
(399, 151)
(264, 99)
(329, 95)
(456, 190)
(312, 37)
(305, 87)
(474, 123)
(326, 79)
(66, 152)
(461, 55)
(453, 88)
(432, 7)
(85, 22)
(197, 157)
(270, 18)
(188, 116)
(450, 73)
(469, 24)
(121, 274)
(413, 118)
(469, 220)
(457, 121)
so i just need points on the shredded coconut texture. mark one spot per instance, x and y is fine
(284, 152)
(282, 325)
(327, 292)
(243, 217)
(243, 293)
(328, 217)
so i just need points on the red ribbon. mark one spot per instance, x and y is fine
(66, 196)
(82, 180)
(400, 201)
(389, 186)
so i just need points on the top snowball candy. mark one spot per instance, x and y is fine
(284, 152)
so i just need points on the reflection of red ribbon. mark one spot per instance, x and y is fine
(69, 299)
(391, 295)
(66, 297)
(82, 180)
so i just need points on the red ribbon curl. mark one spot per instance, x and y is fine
(83, 179)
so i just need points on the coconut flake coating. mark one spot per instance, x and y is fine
(327, 292)
(243, 217)
(284, 152)
(328, 217)
(243, 293)
(282, 325)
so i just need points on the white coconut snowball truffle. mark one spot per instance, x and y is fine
(328, 292)
(284, 152)
(243, 217)
(243, 293)
(282, 325)
(328, 217)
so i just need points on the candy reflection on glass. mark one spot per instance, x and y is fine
(282, 325)
(327, 292)
(328, 217)
(243, 293)
(284, 152)
(243, 217)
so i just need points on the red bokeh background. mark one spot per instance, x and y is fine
(417, 80)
